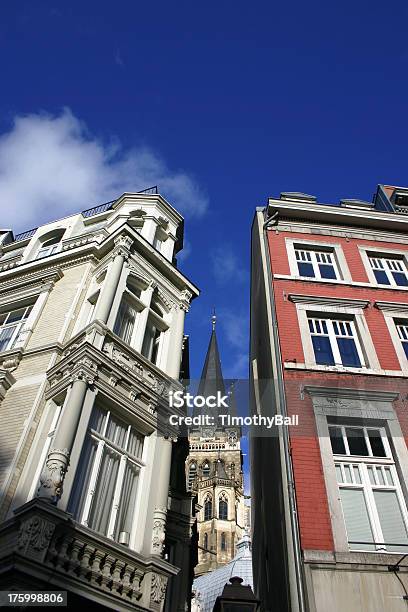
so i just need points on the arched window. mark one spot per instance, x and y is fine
(223, 507)
(192, 472)
(206, 469)
(205, 542)
(50, 245)
(223, 542)
(208, 508)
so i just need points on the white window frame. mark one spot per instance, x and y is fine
(18, 325)
(332, 336)
(345, 405)
(363, 464)
(336, 251)
(321, 307)
(102, 442)
(383, 253)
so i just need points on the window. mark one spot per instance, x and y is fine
(125, 321)
(335, 342)
(223, 542)
(192, 473)
(105, 489)
(389, 271)
(206, 469)
(316, 264)
(151, 342)
(402, 329)
(205, 541)
(49, 247)
(208, 508)
(11, 324)
(373, 506)
(223, 507)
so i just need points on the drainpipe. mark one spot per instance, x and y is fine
(294, 524)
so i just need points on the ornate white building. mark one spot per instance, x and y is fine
(92, 311)
(214, 474)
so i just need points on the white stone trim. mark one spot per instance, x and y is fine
(340, 262)
(327, 306)
(346, 404)
(364, 250)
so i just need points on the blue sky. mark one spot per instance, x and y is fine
(223, 103)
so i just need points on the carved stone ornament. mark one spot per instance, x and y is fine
(34, 537)
(158, 588)
(122, 245)
(159, 531)
(53, 474)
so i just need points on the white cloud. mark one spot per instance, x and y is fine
(226, 265)
(51, 166)
(236, 326)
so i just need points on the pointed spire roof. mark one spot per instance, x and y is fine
(212, 379)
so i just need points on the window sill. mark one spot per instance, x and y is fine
(343, 370)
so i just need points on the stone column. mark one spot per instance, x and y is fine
(162, 487)
(57, 462)
(108, 291)
(176, 342)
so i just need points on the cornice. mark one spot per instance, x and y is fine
(392, 306)
(334, 393)
(319, 300)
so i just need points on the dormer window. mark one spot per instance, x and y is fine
(50, 246)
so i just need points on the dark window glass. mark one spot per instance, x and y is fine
(337, 442)
(305, 269)
(405, 345)
(356, 441)
(322, 350)
(400, 279)
(377, 445)
(208, 510)
(381, 277)
(223, 510)
(348, 352)
(327, 271)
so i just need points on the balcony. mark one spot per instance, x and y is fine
(42, 547)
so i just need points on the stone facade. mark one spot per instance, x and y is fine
(92, 314)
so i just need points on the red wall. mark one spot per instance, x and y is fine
(314, 517)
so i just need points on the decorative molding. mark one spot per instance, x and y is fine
(34, 537)
(123, 244)
(53, 474)
(158, 589)
(320, 300)
(6, 381)
(398, 307)
(159, 531)
(333, 394)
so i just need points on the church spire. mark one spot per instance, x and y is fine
(212, 379)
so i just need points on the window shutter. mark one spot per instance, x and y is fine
(391, 520)
(356, 518)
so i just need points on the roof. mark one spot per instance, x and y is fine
(209, 586)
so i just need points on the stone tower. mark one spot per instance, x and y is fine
(214, 473)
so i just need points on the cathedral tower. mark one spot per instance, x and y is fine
(214, 473)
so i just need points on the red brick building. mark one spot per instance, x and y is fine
(329, 342)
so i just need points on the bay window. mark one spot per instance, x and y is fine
(104, 493)
(335, 342)
(372, 502)
(11, 324)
